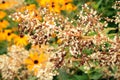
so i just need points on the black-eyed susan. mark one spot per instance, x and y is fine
(2, 14)
(68, 6)
(21, 40)
(28, 7)
(37, 15)
(54, 6)
(7, 4)
(2, 36)
(3, 24)
(62, 2)
(43, 3)
(8, 34)
(35, 61)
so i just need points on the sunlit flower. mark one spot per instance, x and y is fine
(54, 6)
(3, 24)
(2, 14)
(37, 15)
(36, 60)
(21, 40)
(30, 7)
(62, 2)
(43, 3)
(2, 36)
(27, 7)
(7, 35)
(68, 7)
(7, 4)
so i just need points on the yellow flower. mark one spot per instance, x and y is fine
(36, 60)
(2, 36)
(43, 3)
(3, 24)
(62, 2)
(2, 14)
(21, 9)
(53, 35)
(54, 6)
(29, 7)
(7, 4)
(68, 7)
(7, 35)
(37, 15)
(59, 41)
(21, 40)
(14, 29)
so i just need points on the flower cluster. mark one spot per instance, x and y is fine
(57, 6)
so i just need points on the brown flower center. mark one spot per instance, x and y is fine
(9, 34)
(1, 20)
(3, 2)
(21, 35)
(53, 4)
(28, 4)
(66, 3)
(35, 61)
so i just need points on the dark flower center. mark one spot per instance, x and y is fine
(53, 4)
(35, 61)
(1, 20)
(3, 31)
(9, 34)
(21, 35)
(28, 4)
(66, 3)
(45, 36)
(3, 2)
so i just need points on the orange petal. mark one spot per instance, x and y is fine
(29, 61)
(30, 67)
(34, 56)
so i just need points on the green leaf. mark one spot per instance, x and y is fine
(62, 75)
(32, 78)
(52, 40)
(32, 2)
(107, 45)
(28, 46)
(11, 23)
(63, 12)
(3, 47)
(76, 63)
(16, 78)
(95, 75)
(113, 69)
(111, 36)
(87, 51)
(81, 77)
(92, 33)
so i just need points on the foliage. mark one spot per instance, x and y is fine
(3, 47)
